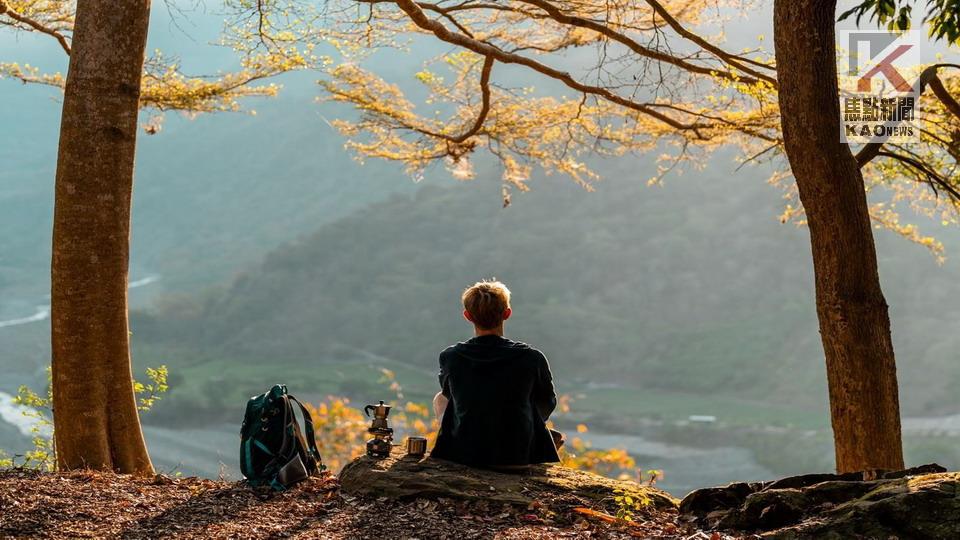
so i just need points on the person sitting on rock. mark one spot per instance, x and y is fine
(496, 394)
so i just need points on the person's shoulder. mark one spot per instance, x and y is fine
(527, 349)
(514, 344)
(538, 355)
(452, 349)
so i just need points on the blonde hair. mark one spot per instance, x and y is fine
(486, 301)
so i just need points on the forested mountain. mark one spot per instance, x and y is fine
(199, 215)
(212, 191)
(690, 287)
(276, 177)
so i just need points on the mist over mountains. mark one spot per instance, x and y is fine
(690, 287)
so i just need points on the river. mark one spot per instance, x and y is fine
(42, 311)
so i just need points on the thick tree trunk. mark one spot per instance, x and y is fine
(95, 413)
(854, 325)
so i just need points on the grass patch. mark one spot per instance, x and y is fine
(674, 406)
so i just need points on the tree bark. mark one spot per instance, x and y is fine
(854, 325)
(95, 413)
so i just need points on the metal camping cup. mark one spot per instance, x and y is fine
(416, 446)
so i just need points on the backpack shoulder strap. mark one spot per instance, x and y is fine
(287, 441)
(309, 434)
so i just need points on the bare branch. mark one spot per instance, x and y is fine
(445, 13)
(481, 116)
(484, 107)
(731, 59)
(756, 156)
(929, 176)
(417, 15)
(603, 29)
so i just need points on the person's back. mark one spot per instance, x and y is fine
(496, 394)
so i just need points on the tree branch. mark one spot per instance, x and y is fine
(5, 10)
(944, 96)
(867, 153)
(484, 107)
(556, 14)
(481, 116)
(419, 18)
(928, 77)
(731, 59)
(932, 178)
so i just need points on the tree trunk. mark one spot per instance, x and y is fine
(95, 413)
(854, 325)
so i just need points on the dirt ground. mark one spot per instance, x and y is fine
(102, 505)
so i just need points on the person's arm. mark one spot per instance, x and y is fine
(439, 404)
(444, 377)
(443, 396)
(544, 395)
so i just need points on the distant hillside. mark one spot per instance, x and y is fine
(212, 196)
(212, 193)
(690, 287)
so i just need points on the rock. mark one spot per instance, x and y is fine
(811, 479)
(926, 506)
(923, 502)
(404, 477)
(772, 509)
(701, 502)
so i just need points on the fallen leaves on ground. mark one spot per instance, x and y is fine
(103, 505)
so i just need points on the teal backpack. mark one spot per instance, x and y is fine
(277, 448)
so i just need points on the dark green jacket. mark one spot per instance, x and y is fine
(501, 394)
